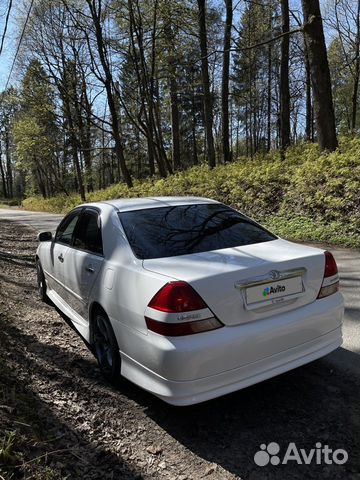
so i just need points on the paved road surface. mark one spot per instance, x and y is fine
(38, 220)
(348, 261)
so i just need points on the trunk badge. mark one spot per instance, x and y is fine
(274, 274)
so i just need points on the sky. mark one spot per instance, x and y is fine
(10, 42)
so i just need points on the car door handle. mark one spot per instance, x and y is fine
(61, 258)
(89, 269)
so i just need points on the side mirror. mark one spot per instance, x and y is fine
(44, 237)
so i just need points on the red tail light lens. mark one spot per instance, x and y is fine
(330, 283)
(177, 297)
(330, 265)
(180, 297)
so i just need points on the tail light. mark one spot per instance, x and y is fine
(177, 298)
(330, 282)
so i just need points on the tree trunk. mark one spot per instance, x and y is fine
(269, 84)
(146, 84)
(320, 75)
(250, 123)
(268, 146)
(308, 100)
(108, 83)
(138, 153)
(164, 161)
(154, 97)
(193, 127)
(225, 83)
(74, 144)
(9, 173)
(86, 137)
(3, 175)
(208, 111)
(151, 154)
(40, 181)
(284, 81)
(174, 103)
(175, 123)
(237, 138)
(312, 123)
(119, 149)
(75, 153)
(247, 135)
(355, 99)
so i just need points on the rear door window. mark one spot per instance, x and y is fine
(66, 228)
(88, 233)
(185, 229)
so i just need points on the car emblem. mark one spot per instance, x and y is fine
(274, 274)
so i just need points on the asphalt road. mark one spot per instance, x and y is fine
(40, 221)
(348, 261)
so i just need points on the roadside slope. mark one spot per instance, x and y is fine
(308, 196)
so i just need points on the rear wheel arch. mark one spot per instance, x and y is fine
(94, 308)
(104, 343)
(41, 281)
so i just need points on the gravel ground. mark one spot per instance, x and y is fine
(66, 422)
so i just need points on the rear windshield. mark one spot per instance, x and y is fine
(181, 230)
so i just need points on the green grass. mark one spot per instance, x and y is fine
(13, 202)
(6, 448)
(302, 228)
(308, 196)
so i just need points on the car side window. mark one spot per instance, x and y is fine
(65, 231)
(88, 233)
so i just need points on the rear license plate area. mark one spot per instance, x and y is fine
(273, 292)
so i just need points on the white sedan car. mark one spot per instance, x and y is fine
(188, 298)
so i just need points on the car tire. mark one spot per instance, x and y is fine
(41, 283)
(106, 348)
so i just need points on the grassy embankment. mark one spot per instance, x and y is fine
(308, 196)
(5, 203)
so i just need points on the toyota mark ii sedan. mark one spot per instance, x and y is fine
(188, 298)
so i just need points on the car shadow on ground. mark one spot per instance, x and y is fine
(54, 442)
(26, 261)
(314, 403)
(311, 404)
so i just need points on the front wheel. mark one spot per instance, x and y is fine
(106, 348)
(41, 283)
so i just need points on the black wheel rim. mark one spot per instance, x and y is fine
(103, 346)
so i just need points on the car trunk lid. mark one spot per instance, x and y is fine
(252, 282)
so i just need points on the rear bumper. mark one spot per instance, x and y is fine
(188, 370)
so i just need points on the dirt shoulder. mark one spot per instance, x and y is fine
(59, 419)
